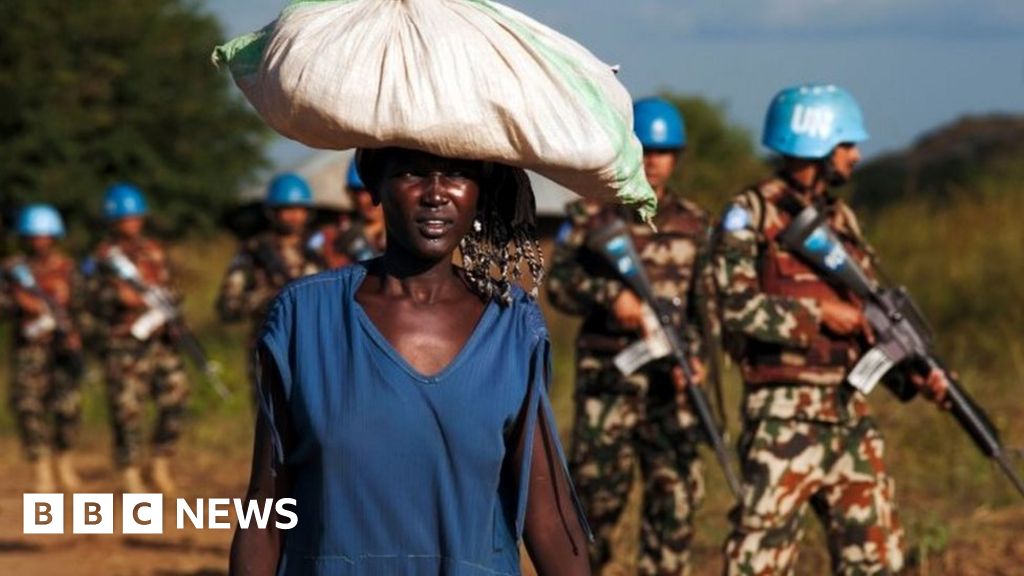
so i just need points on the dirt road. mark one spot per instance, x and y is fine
(985, 543)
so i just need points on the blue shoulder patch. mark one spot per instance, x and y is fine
(737, 218)
(88, 266)
(316, 241)
(563, 232)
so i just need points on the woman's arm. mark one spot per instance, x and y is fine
(257, 551)
(553, 532)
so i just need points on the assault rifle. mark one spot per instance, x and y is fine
(161, 310)
(54, 319)
(613, 242)
(901, 332)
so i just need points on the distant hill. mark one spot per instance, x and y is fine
(941, 162)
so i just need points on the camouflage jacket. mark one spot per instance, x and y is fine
(114, 314)
(676, 260)
(793, 367)
(262, 266)
(57, 277)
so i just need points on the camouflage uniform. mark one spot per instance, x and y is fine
(622, 419)
(135, 368)
(45, 367)
(262, 266)
(807, 439)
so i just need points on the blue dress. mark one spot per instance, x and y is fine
(395, 472)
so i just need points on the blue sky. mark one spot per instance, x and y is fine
(912, 64)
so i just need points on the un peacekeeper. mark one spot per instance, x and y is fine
(808, 438)
(353, 239)
(268, 261)
(41, 291)
(621, 420)
(139, 354)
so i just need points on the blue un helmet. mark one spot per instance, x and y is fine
(40, 220)
(124, 200)
(353, 181)
(288, 189)
(810, 120)
(658, 124)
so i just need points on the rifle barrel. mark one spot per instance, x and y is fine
(1000, 458)
(703, 410)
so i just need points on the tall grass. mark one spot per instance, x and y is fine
(963, 259)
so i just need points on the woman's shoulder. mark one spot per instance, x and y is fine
(326, 282)
(309, 292)
(526, 312)
(300, 303)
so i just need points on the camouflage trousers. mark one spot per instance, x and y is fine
(137, 370)
(621, 421)
(838, 470)
(44, 390)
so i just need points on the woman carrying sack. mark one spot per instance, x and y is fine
(404, 399)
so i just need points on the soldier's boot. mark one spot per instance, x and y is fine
(66, 473)
(44, 475)
(131, 481)
(160, 475)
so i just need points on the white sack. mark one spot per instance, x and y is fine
(457, 78)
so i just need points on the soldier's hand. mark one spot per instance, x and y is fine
(129, 296)
(934, 387)
(700, 372)
(628, 310)
(31, 305)
(842, 318)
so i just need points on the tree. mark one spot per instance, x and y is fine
(96, 92)
(944, 162)
(720, 158)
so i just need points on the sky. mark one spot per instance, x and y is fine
(912, 64)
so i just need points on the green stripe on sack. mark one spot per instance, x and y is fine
(244, 54)
(628, 169)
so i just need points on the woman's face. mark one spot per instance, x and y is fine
(429, 202)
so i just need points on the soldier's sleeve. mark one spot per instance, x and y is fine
(231, 301)
(702, 329)
(745, 308)
(102, 295)
(77, 303)
(570, 287)
(172, 280)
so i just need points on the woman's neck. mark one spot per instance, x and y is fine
(421, 280)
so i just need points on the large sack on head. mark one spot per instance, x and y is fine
(458, 78)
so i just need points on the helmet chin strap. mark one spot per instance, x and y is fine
(827, 172)
(825, 177)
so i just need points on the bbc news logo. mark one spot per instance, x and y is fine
(144, 513)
